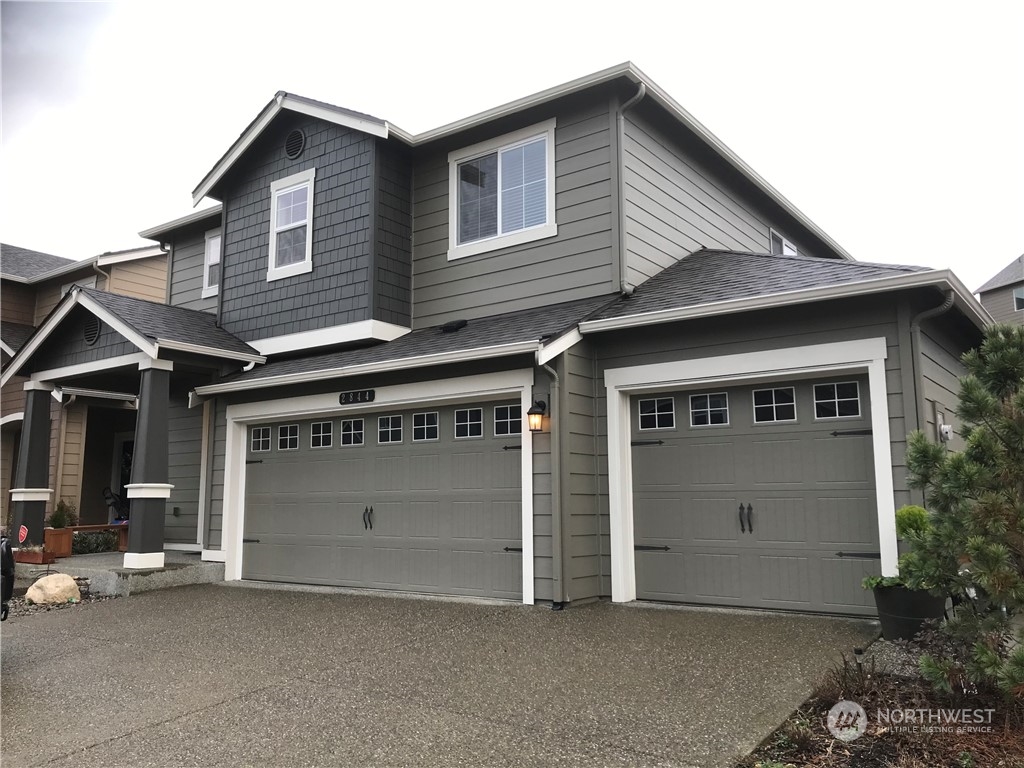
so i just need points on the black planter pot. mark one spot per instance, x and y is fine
(902, 611)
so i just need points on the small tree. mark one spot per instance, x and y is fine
(974, 549)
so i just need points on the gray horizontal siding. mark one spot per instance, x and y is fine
(999, 304)
(188, 257)
(941, 370)
(581, 519)
(575, 264)
(215, 519)
(184, 448)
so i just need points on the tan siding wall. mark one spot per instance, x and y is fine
(143, 279)
(73, 431)
(7, 448)
(12, 397)
(49, 294)
(999, 304)
(17, 304)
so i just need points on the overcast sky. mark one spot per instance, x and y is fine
(897, 126)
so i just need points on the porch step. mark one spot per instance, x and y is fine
(107, 576)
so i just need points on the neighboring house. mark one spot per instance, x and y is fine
(32, 284)
(1003, 295)
(366, 324)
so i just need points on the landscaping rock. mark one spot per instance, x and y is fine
(52, 589)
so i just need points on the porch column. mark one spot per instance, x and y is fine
(149, 489)
(32, 475)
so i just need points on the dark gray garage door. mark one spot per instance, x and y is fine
(744, 496)
(397, 502)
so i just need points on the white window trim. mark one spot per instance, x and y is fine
(1018, 295)
(252, 440)
(785, 244)
(211, 290)
(774, 406)
(342, 433)
(303, 178)
(456, 425)
(436, 425)
(814, 399)
(656, 398)
(494, 425)
(390, 429)
(322, 434)
(509, 140)
(838, 357)
(728, 411)
(280, 435)
(490, 386)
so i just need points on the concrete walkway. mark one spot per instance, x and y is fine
(216, 675)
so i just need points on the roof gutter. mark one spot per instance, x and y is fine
(401, 364)
(943, 279)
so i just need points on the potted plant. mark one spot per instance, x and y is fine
(57, 537)
(33, 554)
(904, 606)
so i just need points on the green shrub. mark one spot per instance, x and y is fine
(911, 519)
(90, 542)
(64, 514)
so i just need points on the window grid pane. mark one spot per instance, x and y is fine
(389, 429)
(352, 432)
(469, 422)
(288, 437)
(832, 401)
(424, 426)
(774, 405)
(321, 434)
(508, 420)
(658, 413)
(707, 410)
(260, 439)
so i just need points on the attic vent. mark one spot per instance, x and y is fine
(453, 326)
(92, 330)
(294, 144)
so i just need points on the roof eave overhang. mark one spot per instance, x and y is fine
(280, 102)
(137, 254)
(940, 279)
(58, 272)
(385, 366)
(154, 233)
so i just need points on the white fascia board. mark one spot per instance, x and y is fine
(61, 271)
(148, 252)
(549, 352)
(37, 338)
(364, 330)
(154, 233)
(108, 317)
(199, 349)
(135, 360)
(7, 348)
(943, 279)
(298, 104)
(12, 418)
(95, 393)
(442, 358)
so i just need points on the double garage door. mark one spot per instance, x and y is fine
(746, 496)
(424, 500)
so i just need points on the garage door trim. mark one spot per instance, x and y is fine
(863, 355)
(490, 386)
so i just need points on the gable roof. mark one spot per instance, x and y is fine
(212, 214)
(514, 333)
(1009, 275)
(13, 336)
(25, 265)
(715, 282)
(375, 126)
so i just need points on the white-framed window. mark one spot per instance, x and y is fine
(389, 429)
(837, 401)
(260, 439)
(709, 409)
(657, 413)
(351, 431)
(85, 282)
(288, 437)
(469, 422)
(508, 419)
(502, 192)
(424, 426)
(321, 434)
(777, 404)
(291, 226)
(780, 246)
(211, 264)
(1018, 299)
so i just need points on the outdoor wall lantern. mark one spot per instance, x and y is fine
(536, 415)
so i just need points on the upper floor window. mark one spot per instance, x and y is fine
(502, 192)
(291, 226)
(780, 246)
(211, 264)
(1018, 299)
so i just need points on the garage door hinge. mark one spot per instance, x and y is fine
(646, 548)
(513, 549)
(254, 461)
(647, 442)
(850, 432)
(511, 447)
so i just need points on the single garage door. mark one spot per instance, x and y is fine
(424, 500)
(744, 496)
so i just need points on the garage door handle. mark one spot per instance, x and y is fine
(250, 541)
(370, 517)
(366, 516)
(750, 518)
(743, 528)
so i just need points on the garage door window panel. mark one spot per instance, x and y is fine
(469, 423)
(260, 442)
(288, 437)
(351, 431)
(837, 401)
(508, 420)
(389, 429)
(772, 406)
(424, 427)
(657, 413)
(709, 409)
(321, 434)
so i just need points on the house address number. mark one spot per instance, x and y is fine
(359, 396)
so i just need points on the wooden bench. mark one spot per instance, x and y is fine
(121, 528)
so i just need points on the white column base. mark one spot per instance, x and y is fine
(213, 555)
(31, 494)
(143, 559)
(148, 490)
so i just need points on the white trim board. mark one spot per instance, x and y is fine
(11, 418)
(847, 356)
(362, 330)
(484, 386)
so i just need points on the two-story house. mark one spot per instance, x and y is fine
(1003, 295)
(82, 459)
(572, 347)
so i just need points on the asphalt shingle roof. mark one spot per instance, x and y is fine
(14, 335)
(24, 263)
(1009, 275)
(525, 325)
(707, 277)
(159, 321)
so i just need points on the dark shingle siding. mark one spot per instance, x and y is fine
(28, 264)
(393, 238)
(68, 347)
(336, 291)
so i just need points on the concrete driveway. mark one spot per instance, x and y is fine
(216, 675)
